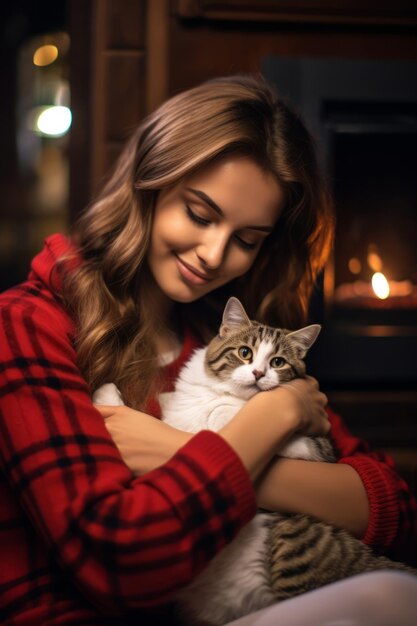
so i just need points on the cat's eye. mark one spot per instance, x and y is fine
(277, 361)
(245, 353)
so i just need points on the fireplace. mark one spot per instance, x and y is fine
(364, 117)
(374, 167)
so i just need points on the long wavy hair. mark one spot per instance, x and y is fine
(108, 292)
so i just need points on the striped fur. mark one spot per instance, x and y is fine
(306, 553)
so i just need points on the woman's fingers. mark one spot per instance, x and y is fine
(312, 404)
(106, 410)
(313, 381)
(324, 399)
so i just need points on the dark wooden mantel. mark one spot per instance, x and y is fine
(368, 12)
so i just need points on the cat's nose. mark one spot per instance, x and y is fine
(258, 374)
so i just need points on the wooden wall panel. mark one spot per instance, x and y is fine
(124, 92)
(157, 52)
(125, 24)
(112, 151)
(113, 46)
(203, 49)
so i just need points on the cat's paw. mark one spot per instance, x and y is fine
(108, 394)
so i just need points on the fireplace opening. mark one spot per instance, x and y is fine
(372, 165)
(369, 318)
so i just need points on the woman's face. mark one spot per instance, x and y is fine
(208, 229)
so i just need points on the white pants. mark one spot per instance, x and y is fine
(383, 598)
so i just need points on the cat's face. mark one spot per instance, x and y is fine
(248, 357)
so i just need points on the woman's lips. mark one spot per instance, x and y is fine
(190, 274)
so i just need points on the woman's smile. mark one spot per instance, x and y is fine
(191, 274)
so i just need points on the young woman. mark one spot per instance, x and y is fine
(217, 193)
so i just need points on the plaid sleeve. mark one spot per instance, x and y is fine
(126, 543)
(392, 526)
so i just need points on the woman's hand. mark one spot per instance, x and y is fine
(143, 441)
(304, 402)
(270, 418)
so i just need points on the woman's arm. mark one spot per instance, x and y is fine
(392, 527)
(363, 493)
(329, 491)
(126, 543)
(332, 492)
(255, 433)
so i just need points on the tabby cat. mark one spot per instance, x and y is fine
(275, 556)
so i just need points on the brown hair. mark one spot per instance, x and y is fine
(108, 291)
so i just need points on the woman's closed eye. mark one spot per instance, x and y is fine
(197, 218)
(245, 244)
(203, 221)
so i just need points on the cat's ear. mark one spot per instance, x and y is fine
(304, 338)
(234, 317)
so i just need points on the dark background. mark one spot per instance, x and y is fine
(20, 21)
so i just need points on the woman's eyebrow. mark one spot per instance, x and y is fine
(205, 198)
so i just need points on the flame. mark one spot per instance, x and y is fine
(380, 285)
(374, 261)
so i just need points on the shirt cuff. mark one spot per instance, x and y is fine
(383, 501)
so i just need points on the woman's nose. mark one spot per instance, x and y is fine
(212, 250)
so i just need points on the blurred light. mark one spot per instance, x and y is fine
(62, 94)
(45, 55)
(54, 121)
(380, 285)
(355, 265)
(374, 260)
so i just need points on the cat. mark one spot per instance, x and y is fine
(275, 556)
(244, 358)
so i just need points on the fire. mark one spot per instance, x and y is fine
(374, 261)
(380, 285)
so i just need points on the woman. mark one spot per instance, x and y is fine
(217, 193)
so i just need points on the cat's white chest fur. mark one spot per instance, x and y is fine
(199, 402)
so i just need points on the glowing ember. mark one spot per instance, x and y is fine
(380, 285)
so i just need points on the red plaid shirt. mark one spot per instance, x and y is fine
(81, 540)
